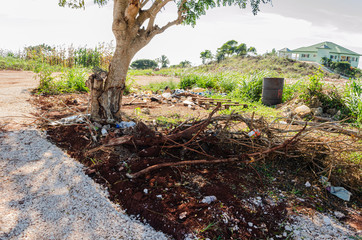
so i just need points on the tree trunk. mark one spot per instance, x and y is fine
(106, 93)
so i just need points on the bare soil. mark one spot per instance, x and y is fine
(15, 87)
(263, 195)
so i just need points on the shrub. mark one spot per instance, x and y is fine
(144, 64)
(189, 80)
(71, 80)
(353, 99)
(250, 87)
(75, 79)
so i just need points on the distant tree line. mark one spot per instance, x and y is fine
(161, 62)
(228, 49)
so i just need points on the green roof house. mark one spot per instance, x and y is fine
(285, 52)
(330, 50)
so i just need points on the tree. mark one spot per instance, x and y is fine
(205, 55)
(252, 50)
(185, 64)
(134, 27)
(241, 50)
(231, 45)
(163, 60)
(144, 64)
(227, 49)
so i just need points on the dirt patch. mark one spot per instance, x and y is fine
(247, 201)
(15, 87)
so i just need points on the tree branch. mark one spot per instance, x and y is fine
(152, 11)
(143, 3)
(156, 30)
(227, 160)
(119, 9)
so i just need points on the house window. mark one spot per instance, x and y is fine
(314, 55)
(331, 57)
(305, 55)
(353, 59)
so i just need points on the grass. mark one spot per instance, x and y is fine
(154, 87)
(70, 80)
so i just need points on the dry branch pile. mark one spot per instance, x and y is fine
(224, 139)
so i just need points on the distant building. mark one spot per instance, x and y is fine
(330, 50)
(285, 52)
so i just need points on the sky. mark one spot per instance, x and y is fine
(284, 23)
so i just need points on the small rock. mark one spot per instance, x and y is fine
(188, 103)
(159, 196)
(307, 184)
(250, 224)
(302, 111)
(208, 199)
(317, 111)
(145, 191)
(287, 228)
(182, 215)
(166, 95)
(327, 220)
(104, 132)
(339, 214)
(285, 234)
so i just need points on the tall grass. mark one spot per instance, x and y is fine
(353, 99)
(61, 56)
(242, 86)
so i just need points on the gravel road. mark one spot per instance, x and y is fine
(44, 194)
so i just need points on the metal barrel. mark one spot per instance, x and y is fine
(272, 91)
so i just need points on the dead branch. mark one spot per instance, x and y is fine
(204, 161)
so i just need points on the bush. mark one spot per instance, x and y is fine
(250, 87)
(75, 79)
(189, 81)
(71, 80)
(144, 64)
(353, 99)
